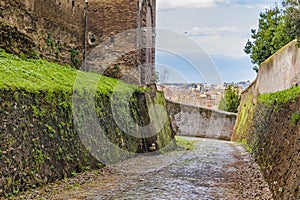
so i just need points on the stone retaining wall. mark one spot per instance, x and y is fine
(195, 121)
(41, 138)
(271, 132)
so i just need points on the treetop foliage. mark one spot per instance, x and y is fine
(276, 27)
(231, 100)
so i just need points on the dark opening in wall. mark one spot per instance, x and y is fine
(92, 39)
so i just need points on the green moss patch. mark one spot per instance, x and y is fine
(280, 97)
(295, 118)
(244, 120)
(183, 143)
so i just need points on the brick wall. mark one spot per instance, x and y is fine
(56, 30)
(53, 26)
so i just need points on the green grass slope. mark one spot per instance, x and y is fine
(35, 75)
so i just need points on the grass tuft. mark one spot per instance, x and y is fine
(295, 118)
(183, 143)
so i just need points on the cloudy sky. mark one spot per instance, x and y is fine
(220, 27)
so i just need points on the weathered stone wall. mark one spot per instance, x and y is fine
(268, 129)
(39, 140)
(146, 40)
(281, 71)
(272, 136)
(56, 30)
(187, 120)
(125, 39)
(55, 27)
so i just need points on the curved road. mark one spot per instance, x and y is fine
(212, 170)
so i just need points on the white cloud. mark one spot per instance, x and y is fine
(254, 6)
(171, 4)
(213, 31)
(224, 40)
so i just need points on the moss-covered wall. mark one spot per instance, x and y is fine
(245, 115)
(41, 137)
(39, 142)
(271, 132)
(268, 122)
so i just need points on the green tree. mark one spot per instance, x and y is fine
(272, 34)
(292, 12)
(231, 100)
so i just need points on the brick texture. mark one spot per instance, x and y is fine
(117, 41)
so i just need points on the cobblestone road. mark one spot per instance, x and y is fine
(212, 170)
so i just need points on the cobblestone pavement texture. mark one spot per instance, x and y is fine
(212, 170)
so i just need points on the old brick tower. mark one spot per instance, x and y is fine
(116, 37)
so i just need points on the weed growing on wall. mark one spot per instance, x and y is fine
(74, 56)
(295, 118)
